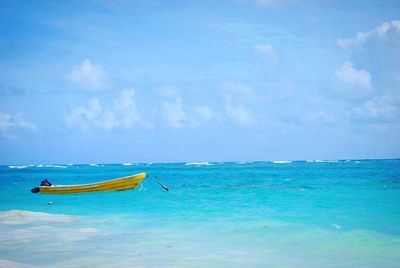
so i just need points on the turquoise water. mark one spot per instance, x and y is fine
(244, 214)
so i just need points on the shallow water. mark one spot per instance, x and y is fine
(245, 214)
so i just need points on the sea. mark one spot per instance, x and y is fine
(315, 213)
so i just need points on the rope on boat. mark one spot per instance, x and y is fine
(156, 180)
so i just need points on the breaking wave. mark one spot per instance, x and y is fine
(282, 162)
(322, 161)
(50, 166)
(198, 164)
(19, 167)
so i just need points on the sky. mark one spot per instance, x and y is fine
(118, 81)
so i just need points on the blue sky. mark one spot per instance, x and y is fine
(169, 81)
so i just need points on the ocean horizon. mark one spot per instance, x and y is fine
(277, 161)
(315, 213)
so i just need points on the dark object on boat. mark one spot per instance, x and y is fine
(35, 190)
(45, 183)
(42, 183)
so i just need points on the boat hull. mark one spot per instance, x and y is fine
(120, 184)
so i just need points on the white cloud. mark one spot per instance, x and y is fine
(167, 91)
(380, 101)
(376, 110)
(319, 117)
(177, 116)
(204, 113)
(235, 93)
(8, 122)
(396, 25)
(362, 37)
(174, 114)
(353, 77)
(125, 107)
(123, 113)
(83, 116)
(236, 89)
(240, 114)
(266, 49)
(88, 76)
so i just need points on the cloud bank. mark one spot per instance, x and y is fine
(177, 115)
(377, 110)
(381, 104)
(122, 113)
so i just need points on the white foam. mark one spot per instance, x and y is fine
(29, 217)
(282, 162)
(322, 161)
(18, 167)
(127, 164)
(50, 233)
(58, 166)
(198, 164)
(93, 165)
(11, 264)
(269, 244)
(50, 166)
(22, 227)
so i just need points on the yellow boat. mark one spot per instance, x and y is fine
(120, 184)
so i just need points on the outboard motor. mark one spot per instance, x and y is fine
(35, 190)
